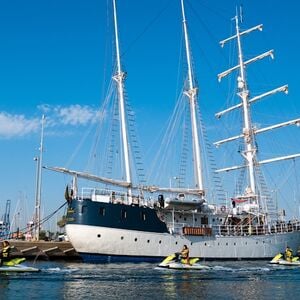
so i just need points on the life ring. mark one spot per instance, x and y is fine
(223, 208)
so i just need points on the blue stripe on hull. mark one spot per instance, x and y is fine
(101, 258)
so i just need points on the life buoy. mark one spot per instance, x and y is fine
(223, 208)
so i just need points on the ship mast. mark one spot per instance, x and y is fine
(249, 133)
(119, 77)
(243, 92)
(38, 194)
(191, 93)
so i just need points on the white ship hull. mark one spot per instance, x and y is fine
(113, 243)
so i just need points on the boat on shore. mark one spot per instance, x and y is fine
(120, 223)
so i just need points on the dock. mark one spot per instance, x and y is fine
(43, 250)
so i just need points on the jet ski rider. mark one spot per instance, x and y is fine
(288, 255)
(185, 254)
(5, 252)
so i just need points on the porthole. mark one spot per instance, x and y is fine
(135, 239)
(184, 219)
(176, 243)
(226, 244)
(205, 244)
(191, 243)
(195, 219)
(122, 237)
(218, 244)
(234, 244)
(256, 243)
(246, 243)
(159, 242)
(98, 235)
(148, 241)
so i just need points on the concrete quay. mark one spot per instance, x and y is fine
(43, 250)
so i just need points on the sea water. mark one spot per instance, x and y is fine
(223, 280)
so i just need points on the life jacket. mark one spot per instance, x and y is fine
(5, 252)
(185, 253)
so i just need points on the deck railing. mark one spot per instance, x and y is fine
(236, 230)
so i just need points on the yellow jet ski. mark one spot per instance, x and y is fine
(15, 265)
(280, 260)
(174, 261)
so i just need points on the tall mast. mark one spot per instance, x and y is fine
(191, 93)
(38, 194)
(119, 77)
(250, 150)
(249, 133)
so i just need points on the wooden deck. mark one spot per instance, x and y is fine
(43, 250)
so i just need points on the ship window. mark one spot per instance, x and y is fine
(226, 244)
(98, 235)
(143, 216)
(123, 213)
(234, 244)
(184, 219)
(176, 243)
(148, 241)
(191, 243)
(204, 220)
(159, 242)
(205, 244)
(102, 211)
(196, 220)
(122, 237)
(213, 220)
(135, 239)
(246, 243)
(83, 209)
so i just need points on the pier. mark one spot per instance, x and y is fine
(43, 250)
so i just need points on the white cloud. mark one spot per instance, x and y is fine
(76, 115)
(17, 125)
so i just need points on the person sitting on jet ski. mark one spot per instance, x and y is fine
(5, 252)
(185, 254)
(288, 255)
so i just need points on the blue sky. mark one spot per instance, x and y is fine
(54, 60)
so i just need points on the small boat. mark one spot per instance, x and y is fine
(15, 265)
(280, 260)
(175, 262)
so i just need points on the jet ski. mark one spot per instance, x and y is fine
(280, 260)
(174, 261)
(15, 265)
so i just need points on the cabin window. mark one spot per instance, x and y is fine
(148, 241)
(176, 243)
(99, 235)
(184, 219)
(204, 220)
(122, 237)
(135, 239)
(102, 211)
(159, 242)
(123, 214)
(226, 244)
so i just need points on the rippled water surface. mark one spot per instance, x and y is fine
(223, 280)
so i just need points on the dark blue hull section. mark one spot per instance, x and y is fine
(114, 215)
(100, 258)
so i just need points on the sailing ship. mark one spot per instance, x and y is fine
(112, 224)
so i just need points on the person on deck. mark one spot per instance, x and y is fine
(185, 254)
(288, 254)
(5, 252)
